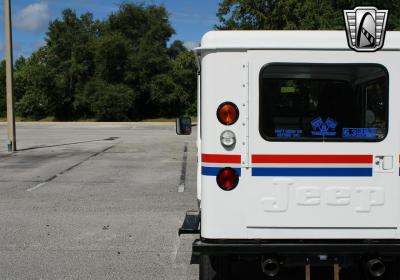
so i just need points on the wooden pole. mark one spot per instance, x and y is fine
(12, 142)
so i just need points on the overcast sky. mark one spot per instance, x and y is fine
(190, 18)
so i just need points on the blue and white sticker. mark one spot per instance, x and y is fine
(359, 133)
(321, 128)
(289, 133)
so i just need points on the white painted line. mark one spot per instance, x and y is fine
(36, 187)
(175, 250)
(182, 180)
(68, 169)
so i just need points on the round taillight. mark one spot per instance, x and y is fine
(228, 113)
(227, 179)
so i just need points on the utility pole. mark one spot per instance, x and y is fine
(12, 141)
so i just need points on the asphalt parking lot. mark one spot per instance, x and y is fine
(96, 201)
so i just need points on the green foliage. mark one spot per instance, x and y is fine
(108, 102)
(34, 86)
(116, 69)
(33, 105)
(176, 48)
(111, 58)
(183, 71)
(137, 22)
(174, 92)
(293, 14)
(70, 58)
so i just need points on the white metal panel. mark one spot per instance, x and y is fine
(223, 213)
(371, 202)
(240, 214)
(224, 78)
(198, 141)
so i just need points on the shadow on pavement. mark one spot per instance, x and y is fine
(67, 144)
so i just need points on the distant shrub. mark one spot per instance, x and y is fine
(33, 105)
(108, 102)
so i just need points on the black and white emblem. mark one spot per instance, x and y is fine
(366, 27)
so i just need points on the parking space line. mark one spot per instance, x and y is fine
(69, 169)
(36, 187)
(181, 187)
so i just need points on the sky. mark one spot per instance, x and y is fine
(190, 19)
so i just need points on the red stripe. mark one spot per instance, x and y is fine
(312, 158)
(221, 158)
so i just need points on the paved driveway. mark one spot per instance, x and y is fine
(96, 201)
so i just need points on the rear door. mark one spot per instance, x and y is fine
(323, 144)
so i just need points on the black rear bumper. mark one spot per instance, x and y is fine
(297, 247)
(320, 257)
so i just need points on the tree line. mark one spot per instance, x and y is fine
(122, 68)
(294, 14)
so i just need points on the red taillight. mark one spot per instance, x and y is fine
(227, 113)
(227, 179)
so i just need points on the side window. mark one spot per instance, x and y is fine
(324, 102)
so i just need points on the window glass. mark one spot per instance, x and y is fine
(329, 102)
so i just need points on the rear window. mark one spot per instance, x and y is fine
(324, 102)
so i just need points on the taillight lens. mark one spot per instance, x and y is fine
(228, 139)
(228, 113)
(227, 179)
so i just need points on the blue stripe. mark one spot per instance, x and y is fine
(213, 171)
(310, 172)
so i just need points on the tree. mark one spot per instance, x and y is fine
(146, 30)
(108, 102)
(293, 14)
(176, 48)
(34, 86)
(174, 93)
(185, 73)
(70, 45)
(116, 69)
(392, 5)
(111, 57)
(21, 79)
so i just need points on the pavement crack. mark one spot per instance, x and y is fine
(69, 168)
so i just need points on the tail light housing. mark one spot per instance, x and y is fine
(227, 179)
(228, 139)
(227, 113)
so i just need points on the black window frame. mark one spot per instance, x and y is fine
(322, 139)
